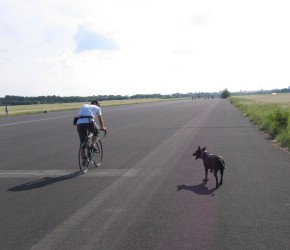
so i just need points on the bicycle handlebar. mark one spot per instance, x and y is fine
(105, 132)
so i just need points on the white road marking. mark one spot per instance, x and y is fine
(52, 118)
(67, 173)
(39, 120)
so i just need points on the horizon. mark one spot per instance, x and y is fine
(263, 91)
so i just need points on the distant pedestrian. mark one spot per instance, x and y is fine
(6, 110)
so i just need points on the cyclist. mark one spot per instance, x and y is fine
(86, 123)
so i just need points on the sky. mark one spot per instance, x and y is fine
(128, 47)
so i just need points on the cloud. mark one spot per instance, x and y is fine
(182, 51)
(88, 39)
(200, 19)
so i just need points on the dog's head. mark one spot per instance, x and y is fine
(198, 152)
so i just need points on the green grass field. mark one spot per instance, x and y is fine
(270, 112)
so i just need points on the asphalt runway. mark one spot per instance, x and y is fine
(149, 193)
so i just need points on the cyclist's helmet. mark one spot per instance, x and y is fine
(95, 101)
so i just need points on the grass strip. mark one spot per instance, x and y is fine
(271, 113)
(43, 108)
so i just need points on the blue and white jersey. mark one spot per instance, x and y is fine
(90, 112)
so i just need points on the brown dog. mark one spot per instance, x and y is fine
(211, 162)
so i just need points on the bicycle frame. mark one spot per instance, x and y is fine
(89, 156)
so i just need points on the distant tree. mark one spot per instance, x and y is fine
(225, 94)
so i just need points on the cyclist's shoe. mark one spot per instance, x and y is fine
(93, 148)
(90, 154)
(84, 161)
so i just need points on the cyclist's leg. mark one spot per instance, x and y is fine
(94, 129)
(82, 131)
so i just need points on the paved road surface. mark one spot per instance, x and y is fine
(149, 192)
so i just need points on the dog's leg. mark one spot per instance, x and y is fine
(216, 178)
(206, 172)
(222, 173)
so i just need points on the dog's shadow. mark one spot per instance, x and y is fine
(43, 182)
(200, 189)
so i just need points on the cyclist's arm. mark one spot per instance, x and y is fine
(101, 122)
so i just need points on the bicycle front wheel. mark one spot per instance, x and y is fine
(98, 154)
(83, 158)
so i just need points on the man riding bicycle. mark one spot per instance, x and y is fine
(86, 123)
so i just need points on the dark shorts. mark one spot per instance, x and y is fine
(85, 128)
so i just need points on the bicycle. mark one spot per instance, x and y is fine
(86, 152)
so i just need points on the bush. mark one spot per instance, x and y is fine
(284, 138)
(278, 121)
(225, 94)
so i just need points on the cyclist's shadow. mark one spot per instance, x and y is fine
(44, 182)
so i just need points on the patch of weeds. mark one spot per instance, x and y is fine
(278, 121)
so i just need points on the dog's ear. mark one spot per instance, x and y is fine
(203, 149)
(198, 148)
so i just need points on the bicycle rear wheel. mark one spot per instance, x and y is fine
(83, 163)
(98, 155)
